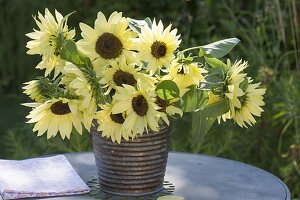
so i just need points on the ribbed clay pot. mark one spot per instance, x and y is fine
(132, 168)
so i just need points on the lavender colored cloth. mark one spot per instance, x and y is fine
(39, 177)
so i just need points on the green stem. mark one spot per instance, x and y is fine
(191, 48)
(296, 129)
(212, 83)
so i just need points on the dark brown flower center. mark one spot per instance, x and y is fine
(60, 108)
(158, 49)
(140, 105)
(118, 118)
(163, 104)
(181, 70)
(108, 46)
(121, 77)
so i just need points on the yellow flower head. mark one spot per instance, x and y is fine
(185, 75)
(111, 125)
(139, 107)
(251, 104)
(233, 80)
(77, 83)
(109, 40)
(32, 89)
(156, 46)
(46, 41)
(120, 73)
(56, 115)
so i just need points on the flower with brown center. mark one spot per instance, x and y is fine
(56, 115)
(121, 72)
(140, 105)
(111, 125)
(120, 77)
(158, 49)
(156, 46)
(140, 109)
(60, 108)
(107, 41)
(108, 46)
(118, 118)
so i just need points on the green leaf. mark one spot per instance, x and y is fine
(194, 99)
(61, 38)
(244, 84)
(220, 48)
(280, 114)
(69, 48)
(167, 90)
(70, 53)
(65, 20)
(136, 25)
(216, 109)
(215, 75)
(200, 126)
(148, 21)
(203, 119)
(215, 62)
(201, 52)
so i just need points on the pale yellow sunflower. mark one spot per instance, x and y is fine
(46, 41)
(109, 40)
(76, 82)
(120, 73)
(251, 104)
(185, 75)
(32, 89)
(140, 109)
(111, 125)
(156, 46)
(233, 80)
(56, 115)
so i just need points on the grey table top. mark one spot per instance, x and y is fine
(200, 177)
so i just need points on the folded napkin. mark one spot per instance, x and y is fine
(39, 177)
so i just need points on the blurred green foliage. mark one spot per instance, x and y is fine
(269, 33)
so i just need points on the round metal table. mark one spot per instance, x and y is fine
(200, 177)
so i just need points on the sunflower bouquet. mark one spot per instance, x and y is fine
(130, 76)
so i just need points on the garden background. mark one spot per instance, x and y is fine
(269, 31)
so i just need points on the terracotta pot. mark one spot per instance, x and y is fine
(132, 168)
